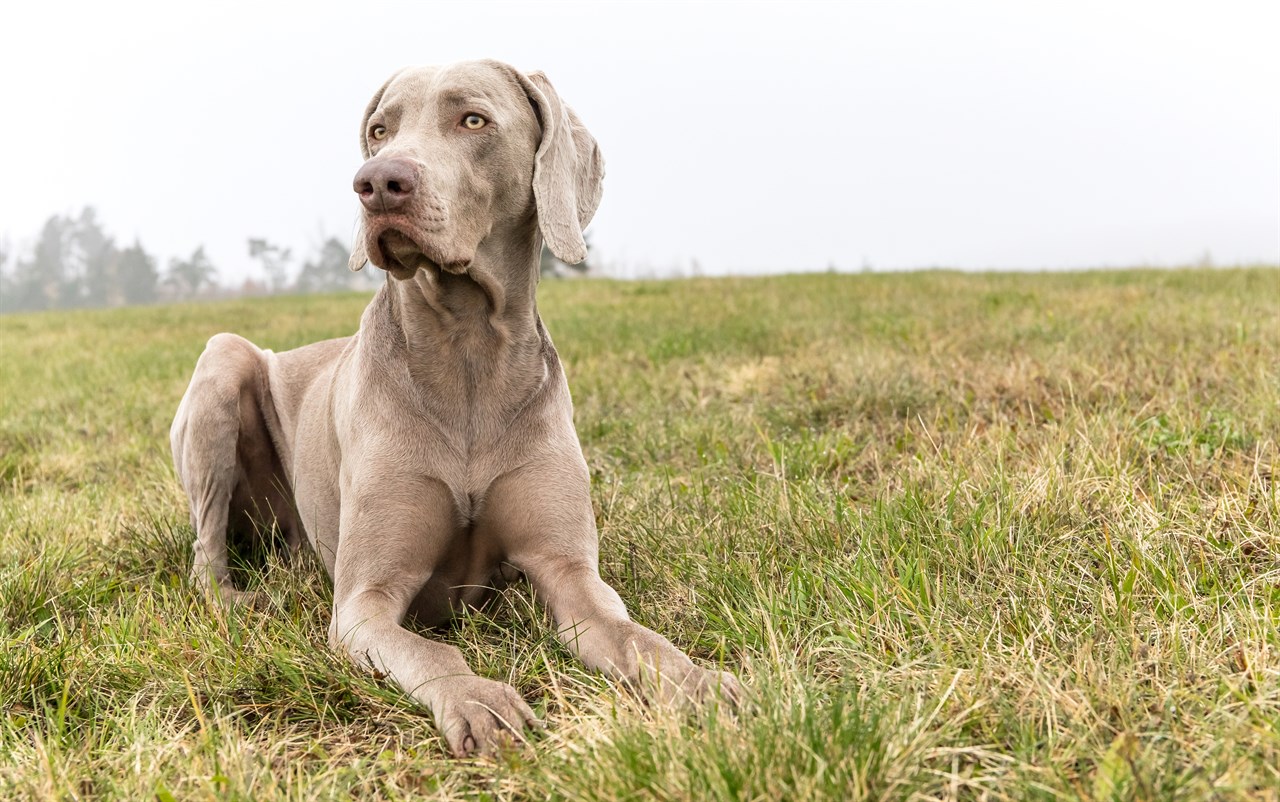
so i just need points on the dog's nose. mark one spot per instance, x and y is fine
(385, 185)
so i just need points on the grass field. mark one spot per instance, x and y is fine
(964, 536)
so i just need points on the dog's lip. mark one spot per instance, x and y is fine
(397, 248)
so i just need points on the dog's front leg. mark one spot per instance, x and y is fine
(593, 622)
(389, 543)
(544, 515)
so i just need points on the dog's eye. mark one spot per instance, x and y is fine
(379, 132)
(474, 122)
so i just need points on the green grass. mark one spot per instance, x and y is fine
(965, 536)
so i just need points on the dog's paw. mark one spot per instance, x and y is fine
(720, 687)
(698, 687)
(481, 716)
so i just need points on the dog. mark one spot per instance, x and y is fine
(431, 457)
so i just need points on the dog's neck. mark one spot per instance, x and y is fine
(473, 338)
(496, 294)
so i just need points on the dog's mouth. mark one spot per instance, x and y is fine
(400, 252)
(397, 252)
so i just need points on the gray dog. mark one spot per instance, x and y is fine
(431, 457)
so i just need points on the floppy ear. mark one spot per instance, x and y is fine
(568, 171)
(369, 110)
(360, 257)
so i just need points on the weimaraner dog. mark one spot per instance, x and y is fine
(431, 457)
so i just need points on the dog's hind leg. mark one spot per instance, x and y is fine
(219, 423)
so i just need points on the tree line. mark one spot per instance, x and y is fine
(76, 264)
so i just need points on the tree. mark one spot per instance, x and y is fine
(136, 275)
(327, 271)
(92, 258)
(42, 281)
(189, 276)
(75, 263)
(275, 262)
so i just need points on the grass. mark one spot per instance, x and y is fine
(965, 536)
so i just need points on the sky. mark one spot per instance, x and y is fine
(739, 137)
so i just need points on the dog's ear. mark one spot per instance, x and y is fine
(568, 171)
(359, 256)
(368, 112)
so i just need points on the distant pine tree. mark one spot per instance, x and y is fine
(137, 275)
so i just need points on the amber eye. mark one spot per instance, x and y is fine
(474, 122)
(379, 132)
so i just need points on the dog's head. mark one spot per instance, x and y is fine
(453, 154)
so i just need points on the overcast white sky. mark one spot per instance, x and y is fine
(750, 137)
